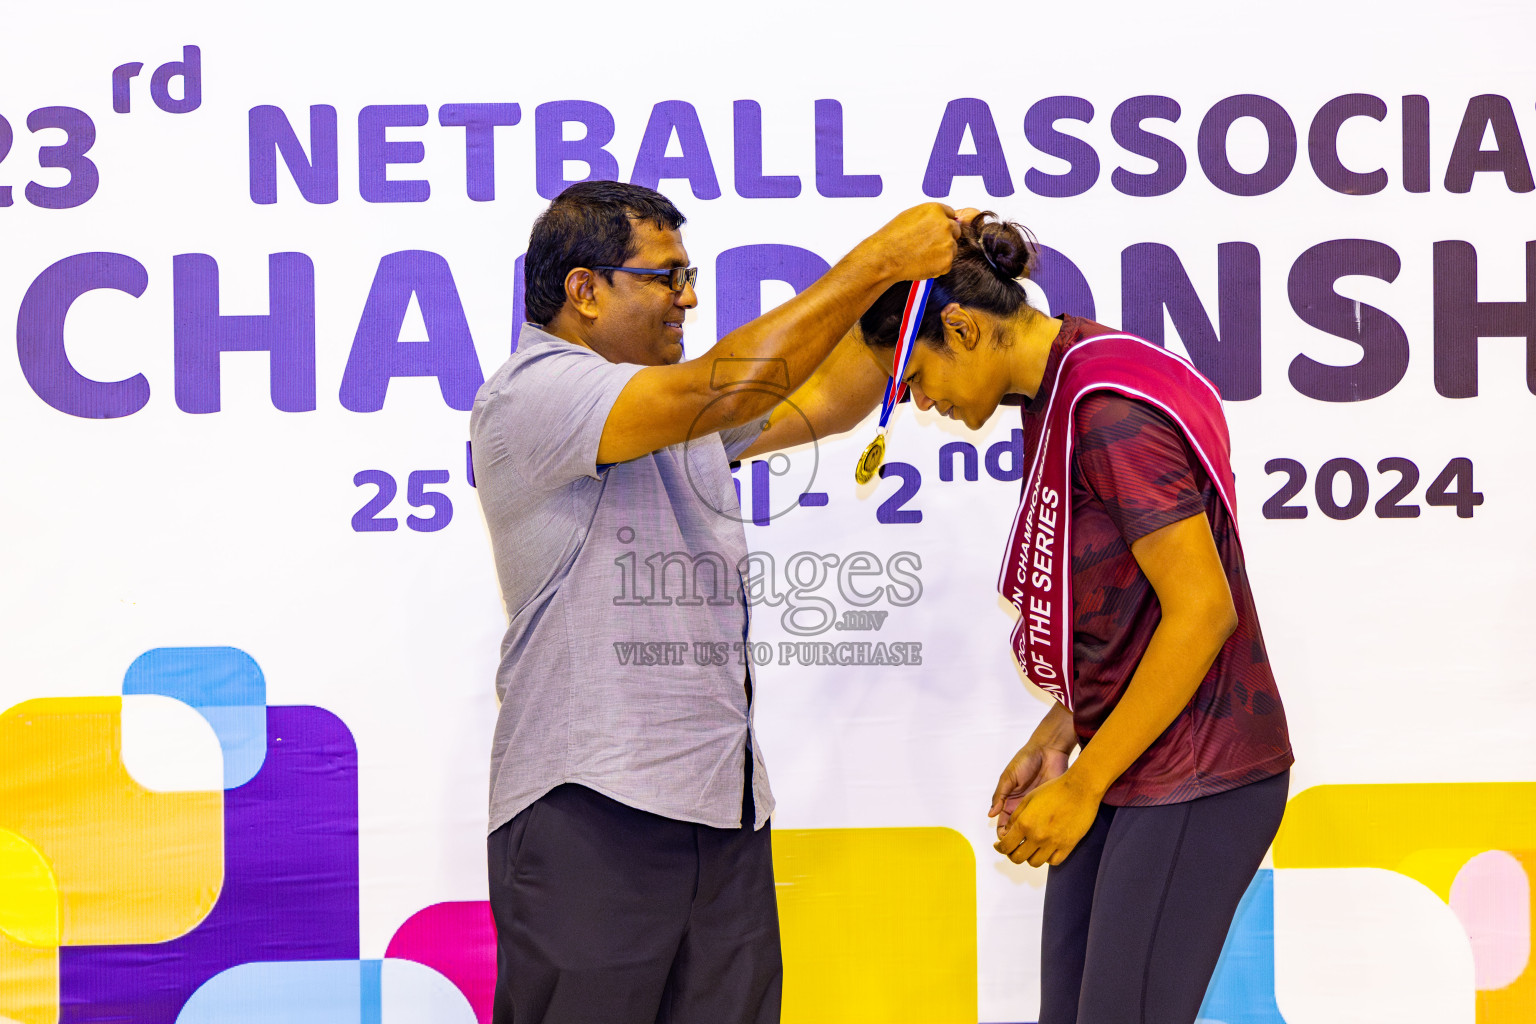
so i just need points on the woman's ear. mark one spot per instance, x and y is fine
(960, 325)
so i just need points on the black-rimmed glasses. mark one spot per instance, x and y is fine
(678, 278)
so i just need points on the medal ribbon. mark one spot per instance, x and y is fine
(906, 340)
(917, 301)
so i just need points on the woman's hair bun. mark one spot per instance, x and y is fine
(1009, 248)
(991, 256)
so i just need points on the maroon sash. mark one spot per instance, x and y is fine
(1036, 577)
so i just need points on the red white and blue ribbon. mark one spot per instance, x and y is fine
(906, 340)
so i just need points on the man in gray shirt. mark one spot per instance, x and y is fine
(631, 875)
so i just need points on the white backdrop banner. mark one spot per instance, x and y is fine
(259, 260)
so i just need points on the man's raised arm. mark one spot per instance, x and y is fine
(666, 405)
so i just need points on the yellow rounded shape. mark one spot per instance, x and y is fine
(878, 925)
(29, 895)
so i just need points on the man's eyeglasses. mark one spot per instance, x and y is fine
(678, 278)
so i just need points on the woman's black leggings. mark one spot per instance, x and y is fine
(1136, 916)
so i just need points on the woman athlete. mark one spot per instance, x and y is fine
(1136, 613)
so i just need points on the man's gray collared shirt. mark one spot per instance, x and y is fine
(623, 595)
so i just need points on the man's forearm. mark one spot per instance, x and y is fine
(664, 405)
(842, 391)
(784, 347)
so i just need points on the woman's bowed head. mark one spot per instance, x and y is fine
(979, 339)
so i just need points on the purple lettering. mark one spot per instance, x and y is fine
(1507, 157)
(552, 149)
(479, 121)
(1213, 145)
(1125, 126)
(1040, 130)
(1382, 340)
(270, 133)
(375, 153)
(379, 355)
(830, 179)
(202, 334)
(1461, 321)
(1323, 144)
(741, 272)
(946, 162)
(652, 165)
(1152, 279)
(40, 336)
(751, 182)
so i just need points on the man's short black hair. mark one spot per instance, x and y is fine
(589, 224)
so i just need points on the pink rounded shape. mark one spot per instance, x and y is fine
(458, 940)
(1492, 897)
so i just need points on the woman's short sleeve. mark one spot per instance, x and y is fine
(1136, 462)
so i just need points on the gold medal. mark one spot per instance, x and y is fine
(869, 463)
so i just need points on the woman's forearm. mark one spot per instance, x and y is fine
(1198, 616)
(1177, 659)
(1055, 731)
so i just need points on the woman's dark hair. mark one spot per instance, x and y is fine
(990, 259)
(589, 224)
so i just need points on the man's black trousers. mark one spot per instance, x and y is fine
(610, 915)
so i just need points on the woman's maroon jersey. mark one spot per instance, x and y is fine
(1133, 472)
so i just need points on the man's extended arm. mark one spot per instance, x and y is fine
(665, 405)
(842, 391)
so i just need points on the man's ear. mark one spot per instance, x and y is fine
(581, 292)
(960, 323)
